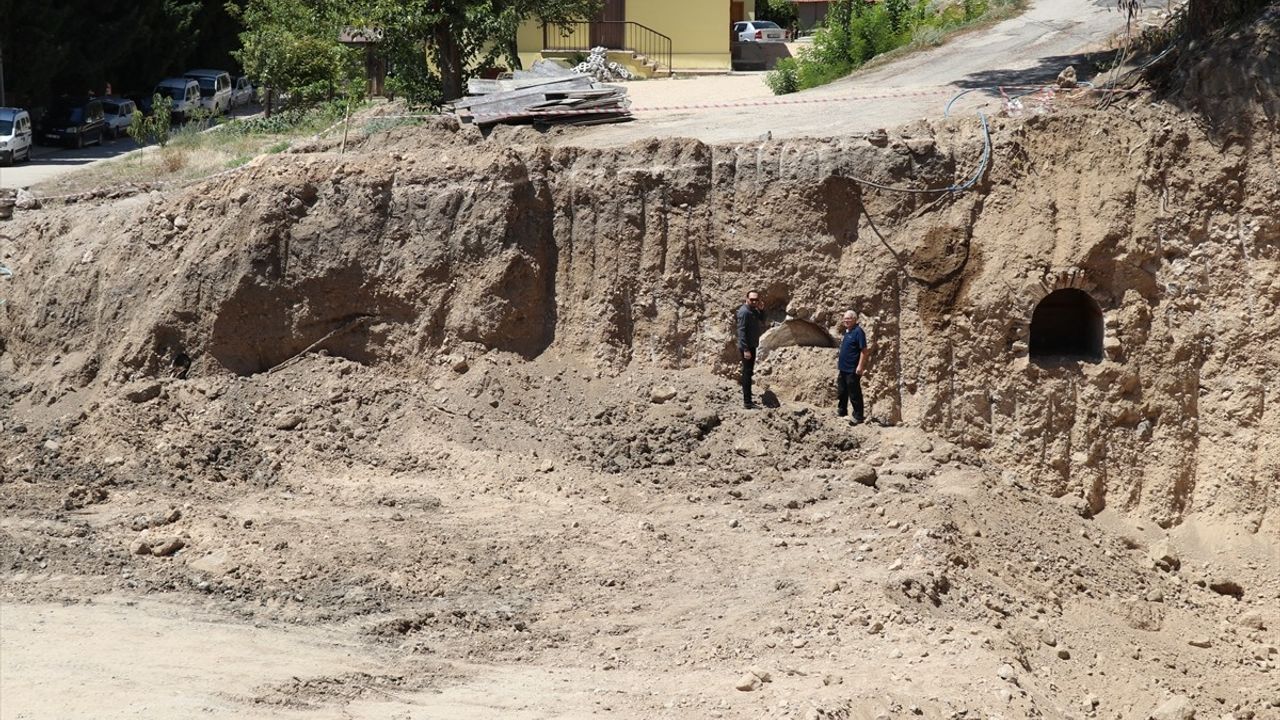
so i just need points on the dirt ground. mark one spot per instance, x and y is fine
(463, 560)
(448, 426)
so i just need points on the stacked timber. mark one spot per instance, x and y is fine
(548, 93)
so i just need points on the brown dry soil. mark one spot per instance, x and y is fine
(447, 427)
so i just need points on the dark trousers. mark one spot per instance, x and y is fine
(748, 370)
(849, 387)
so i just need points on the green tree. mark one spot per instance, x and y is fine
(75, 46)
(782, 12)
(456, 37)
(154, 128)
(898, 14)
(291, 47)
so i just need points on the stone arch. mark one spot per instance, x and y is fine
(794, 331)
(1066, 324)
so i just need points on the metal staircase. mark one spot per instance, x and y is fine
(649, 46)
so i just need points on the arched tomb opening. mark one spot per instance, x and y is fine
(1066, 325)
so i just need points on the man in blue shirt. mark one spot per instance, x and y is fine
(852, 363)
(750, 320)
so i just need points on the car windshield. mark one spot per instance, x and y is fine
(766, 25)
(63, 114)
(6, 127)
(207, 83)
(173, 92)
(111, 108)
(206, 91)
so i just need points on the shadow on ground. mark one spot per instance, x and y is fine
(1087, 65)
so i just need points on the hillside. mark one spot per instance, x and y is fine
(446, 427)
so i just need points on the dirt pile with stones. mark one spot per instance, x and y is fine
(474, 398)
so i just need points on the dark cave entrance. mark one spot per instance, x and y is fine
(1067, 325)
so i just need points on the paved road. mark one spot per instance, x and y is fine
(1031, 48)
(47, 162)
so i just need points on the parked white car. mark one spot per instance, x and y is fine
(215, 89)
(758, 31)
(118, 113)
(15, 135)
(242, 92)
(184, 92)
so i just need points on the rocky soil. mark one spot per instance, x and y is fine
(471, 399)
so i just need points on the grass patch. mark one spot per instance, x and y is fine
(194, 152)
(377, 125)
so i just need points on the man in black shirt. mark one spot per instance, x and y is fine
(750, 328)
(850, 366)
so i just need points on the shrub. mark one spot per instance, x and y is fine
(783, 78)
(973, 9)
(154, 128)
(830, 45)
(872, 33)
(811, 74)
(200, 118)
(281, 122)
(927, 36)
(898, 16)
(173, 159)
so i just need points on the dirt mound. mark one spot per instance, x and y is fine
(469, 400)
(1232, 84)
(636, 256)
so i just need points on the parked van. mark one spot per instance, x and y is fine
(74, 122)
(215, 89)
(119, 114)
(184, 92)
(15, 135)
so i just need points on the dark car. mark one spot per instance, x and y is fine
(142, 101)
(73, 122)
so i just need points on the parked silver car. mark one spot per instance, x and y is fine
(184, 92)
(118, 113)
(215, 89)
(242, 92)
(758, 31)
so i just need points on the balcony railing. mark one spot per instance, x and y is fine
(583, 35)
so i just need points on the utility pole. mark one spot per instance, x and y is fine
(2, 103)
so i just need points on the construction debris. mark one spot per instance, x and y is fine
(598, 66)
(547, 93)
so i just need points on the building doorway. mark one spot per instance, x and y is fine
(609, 28)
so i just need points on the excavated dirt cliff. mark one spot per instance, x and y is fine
(474, 396)
(637, 256)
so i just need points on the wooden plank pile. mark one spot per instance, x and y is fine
(547, 93)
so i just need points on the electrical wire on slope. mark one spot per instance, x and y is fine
(946, 111)
(983, 162)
